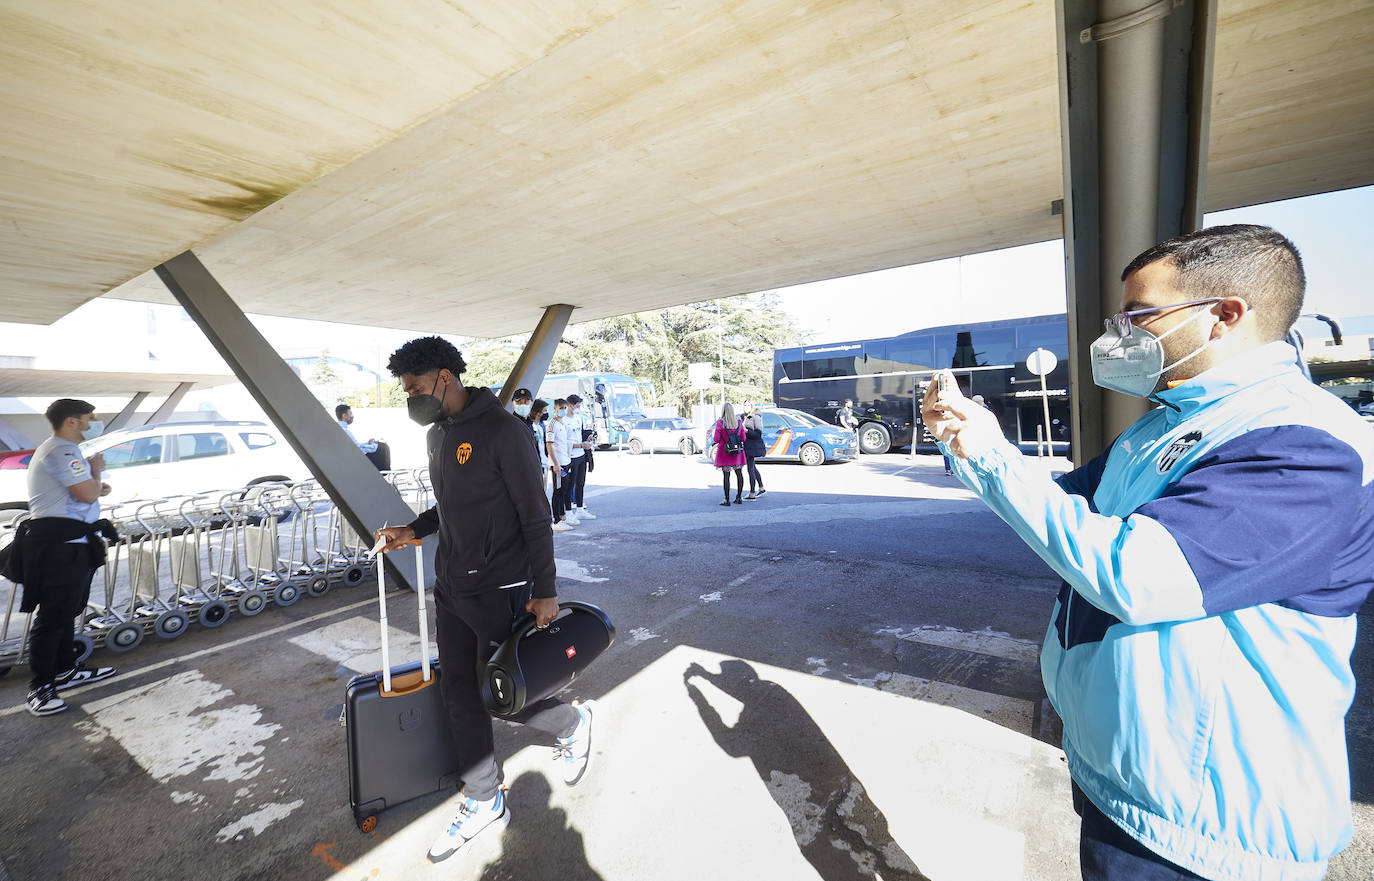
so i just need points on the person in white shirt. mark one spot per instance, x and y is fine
(377, 452)
(581, 458)
(561, 434)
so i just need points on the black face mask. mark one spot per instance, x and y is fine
(427, 409)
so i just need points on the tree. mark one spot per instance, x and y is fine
(324, 382)
(657, 346)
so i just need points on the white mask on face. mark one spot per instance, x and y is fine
(1133, 364)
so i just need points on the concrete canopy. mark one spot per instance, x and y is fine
(23, 382)
(461, 166)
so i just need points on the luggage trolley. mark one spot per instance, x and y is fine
(262, 545)
(222, 543)
(150, 603)
(186, 551)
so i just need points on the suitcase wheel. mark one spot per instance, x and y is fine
(368, 824)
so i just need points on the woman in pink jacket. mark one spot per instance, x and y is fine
(728, 436)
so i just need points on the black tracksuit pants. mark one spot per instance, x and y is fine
(67, 587)
(469, 631)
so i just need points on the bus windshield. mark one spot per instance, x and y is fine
(624, 399)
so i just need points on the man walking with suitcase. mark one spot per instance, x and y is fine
(494, 563)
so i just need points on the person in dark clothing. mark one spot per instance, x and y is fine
(61, 553)
(494, 563)
(754, 448)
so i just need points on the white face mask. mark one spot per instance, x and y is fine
(95, 430)
(1133, 364)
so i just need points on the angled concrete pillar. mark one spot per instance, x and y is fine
(13, 438)
(534, 361)
(1135, 89)
(123, 417)
(169, 406)
(363, 496)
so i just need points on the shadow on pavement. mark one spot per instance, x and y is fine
(838, 829)
(540, 844)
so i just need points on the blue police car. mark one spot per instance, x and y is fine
(794, 436)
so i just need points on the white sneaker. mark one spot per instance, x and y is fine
(584, 514)
(472, 819)
(574, 752)
(570, 519)
(562, 526)
(45, 702)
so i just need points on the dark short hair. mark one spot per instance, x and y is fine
(574, 399)
(62, 409)
(340, 410)
(425, 354)
(559, 403)
(1253, 262)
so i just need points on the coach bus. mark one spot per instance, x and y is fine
(613, 397)
(885, 378)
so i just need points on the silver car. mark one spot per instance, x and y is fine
(662, 433)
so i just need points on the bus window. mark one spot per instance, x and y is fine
(915, 353)
(843, 360)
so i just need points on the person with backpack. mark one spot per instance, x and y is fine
(728, 436)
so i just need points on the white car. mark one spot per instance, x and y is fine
(663, 433)
(178, 458)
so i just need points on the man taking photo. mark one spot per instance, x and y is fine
(1213, 559)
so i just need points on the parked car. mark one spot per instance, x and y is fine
(663, 433)
(15, 459)
(794, 436)
(179, 458)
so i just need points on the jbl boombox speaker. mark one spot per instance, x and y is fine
(533, 664)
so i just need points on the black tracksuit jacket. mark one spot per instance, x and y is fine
(490, 510)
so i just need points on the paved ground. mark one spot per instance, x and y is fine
(840, 673)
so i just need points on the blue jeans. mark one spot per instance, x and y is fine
(1106, 853)
(577, 481)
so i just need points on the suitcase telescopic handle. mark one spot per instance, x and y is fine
(526, 623)
(424, 617)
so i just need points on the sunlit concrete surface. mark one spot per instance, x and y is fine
(855, 649)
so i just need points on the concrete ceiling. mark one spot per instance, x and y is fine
(458, 166)
(21, 382)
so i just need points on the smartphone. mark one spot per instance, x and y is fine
(944, 383)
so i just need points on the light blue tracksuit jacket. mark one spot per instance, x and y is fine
(1199, 652)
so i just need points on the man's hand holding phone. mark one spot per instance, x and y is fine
(956, 421)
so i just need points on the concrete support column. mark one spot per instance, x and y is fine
(363, 496)
(534, 361)
(1135, 95)
(13, 438)
(169, 406)
(122, 419)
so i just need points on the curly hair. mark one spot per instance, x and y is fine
(425, 354)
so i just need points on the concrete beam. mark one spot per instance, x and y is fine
(123, 417)
(13, 438)
(1134, 97)
(534, 361)
(363, 496)
(169, 406)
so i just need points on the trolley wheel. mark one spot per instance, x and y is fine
(252, 602)
(317, 586)
(214, 613)
(124, 637)
(84, 646)
(170, 625)
(367, 824)
(286, 593)
(354, 575)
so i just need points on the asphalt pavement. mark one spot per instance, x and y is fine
(838, 680)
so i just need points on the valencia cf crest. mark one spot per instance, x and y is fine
(464, 451)
(1176, 450)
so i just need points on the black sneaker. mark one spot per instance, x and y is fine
(762, 491)
(45, 702)
(80, 675)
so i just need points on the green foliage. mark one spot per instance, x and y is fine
(658, 346)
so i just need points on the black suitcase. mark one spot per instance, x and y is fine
(399, 743)
(533, 664)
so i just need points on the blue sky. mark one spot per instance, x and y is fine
(1334, 232)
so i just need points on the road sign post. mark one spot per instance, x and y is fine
(1041, 362)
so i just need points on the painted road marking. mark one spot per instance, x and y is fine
(1013, 713)
(151, 724)
(258, 821)
(572, 569)
(182, 659)
(357, 644)
(807, 514)
(981, 642)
